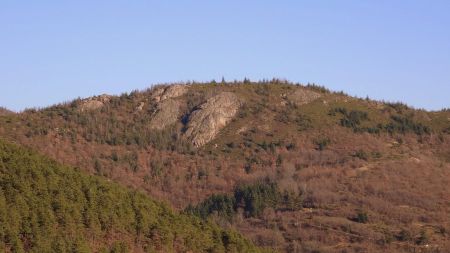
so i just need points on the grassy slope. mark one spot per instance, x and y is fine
(46, 207)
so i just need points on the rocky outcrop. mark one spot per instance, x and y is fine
(206, 122)
(94, 103)
(172, 91)
(303, 96)
(166, 114)
(167, 108)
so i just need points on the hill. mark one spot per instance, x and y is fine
(348, 174)
(46, 207)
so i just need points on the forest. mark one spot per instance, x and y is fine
(47, 207)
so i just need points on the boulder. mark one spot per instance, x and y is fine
(206, 122)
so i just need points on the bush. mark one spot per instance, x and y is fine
(362, 217)
(404, 235)
(361, 154)
(321, 143)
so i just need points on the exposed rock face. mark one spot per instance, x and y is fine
(172, 91)
(166, 114)
(167, 109)
(206, 122)
(94, 103)
(303, 96)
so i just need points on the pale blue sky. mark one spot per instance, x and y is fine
(53, 51)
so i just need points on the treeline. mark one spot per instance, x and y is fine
(46, 207)
(252, 199)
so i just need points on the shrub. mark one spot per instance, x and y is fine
(321, 143)
(404, 235)
(362, 217)
(361, 154)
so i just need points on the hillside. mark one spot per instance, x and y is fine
(46, 207)
(4, 111)
(345, 174)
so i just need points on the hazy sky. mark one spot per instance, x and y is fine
(53, 51)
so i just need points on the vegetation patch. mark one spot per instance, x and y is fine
(401, 124)
(252, 199)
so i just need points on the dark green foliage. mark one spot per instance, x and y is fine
(398, 123)
(318, 88)
(253, 199)
(221, 204)
(351, 119)
(354, 119)
(404, 124)
(398, 106)
(362, 217)
(45, 207)
(404, 236)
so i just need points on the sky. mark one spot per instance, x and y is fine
(55, 51)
